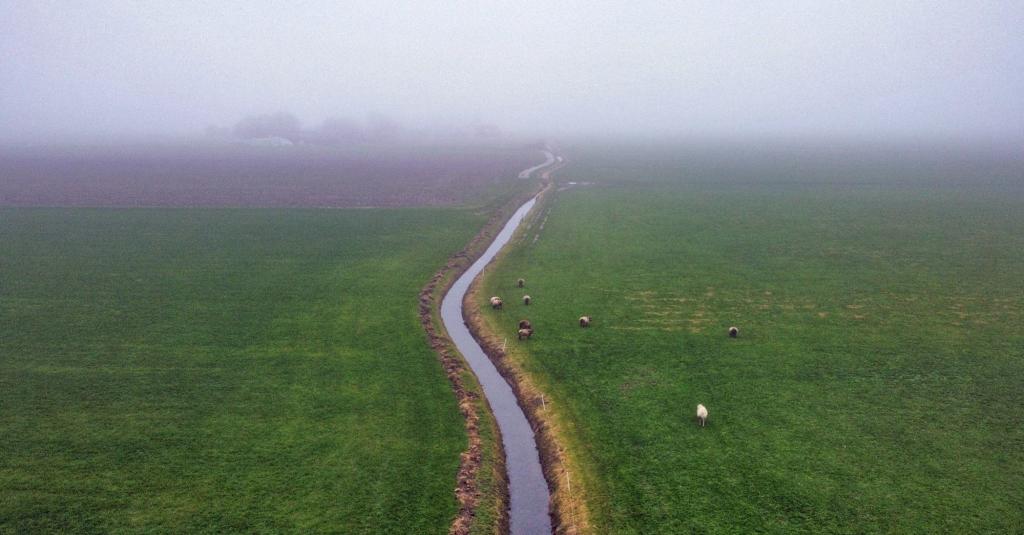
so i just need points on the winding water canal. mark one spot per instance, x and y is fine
(528, 491)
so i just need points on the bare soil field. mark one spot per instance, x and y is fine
(255, 176)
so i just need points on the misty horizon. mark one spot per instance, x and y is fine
(946, 71)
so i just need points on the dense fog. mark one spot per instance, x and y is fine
(341, 71)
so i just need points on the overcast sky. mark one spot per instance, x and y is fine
(793, 68)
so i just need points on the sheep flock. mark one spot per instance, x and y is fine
(525, 332)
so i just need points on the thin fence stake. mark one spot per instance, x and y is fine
(572, 508)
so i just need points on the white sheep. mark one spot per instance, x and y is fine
(585, 321)
(496, 303)
(702, 414)
(733, 332)
(526, 300)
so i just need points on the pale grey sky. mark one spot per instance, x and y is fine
(790, 68)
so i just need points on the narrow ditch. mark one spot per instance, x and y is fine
(528, 490)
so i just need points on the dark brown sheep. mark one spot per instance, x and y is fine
(525, 324)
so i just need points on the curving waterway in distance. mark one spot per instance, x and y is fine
(549, 159)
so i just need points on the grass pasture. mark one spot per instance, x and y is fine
(224, 370)
(878, 381)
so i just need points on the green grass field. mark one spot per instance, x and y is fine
(878, 382)
(220, 370)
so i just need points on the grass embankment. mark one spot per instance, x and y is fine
(877, 381)
(224, 370)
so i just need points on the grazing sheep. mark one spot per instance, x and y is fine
(525, 333)
(702, 414)
(585, 321)
(525, 324)
(496, 303)
(526, 300)
(520, 283)
(733, 332)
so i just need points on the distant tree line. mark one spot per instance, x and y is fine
(332, 131)
(375, 128)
